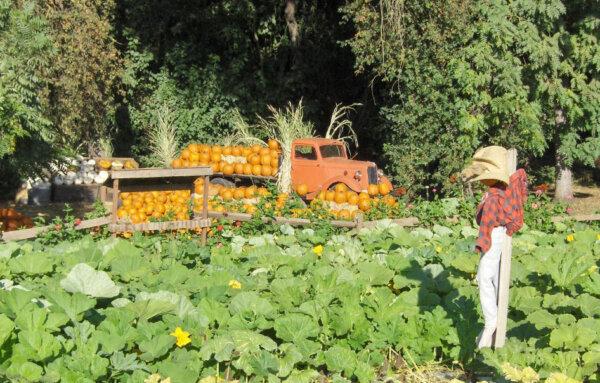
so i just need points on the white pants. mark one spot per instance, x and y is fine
(487, 278)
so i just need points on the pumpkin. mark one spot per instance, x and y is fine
(384, 189)
(129, 165)
(185, 154)
(352, 198)
(256, 148)
(227, 151)
(257, 170)
(247, 169)
(340, 197)
(341, 188)
(228, 169)
(104, 164)
(266, 170)
(239, 193)
(364, 204)
(216, 149)
(238, 168)
(227, 194)
(254, 159)
(265, 159)
(274, 162)
(273, 144)
(344, 215)
(215, 167)
(329, 195)
(236, 151)
(373, 190)
(250, 192)
(302, 190)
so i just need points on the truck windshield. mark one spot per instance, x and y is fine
(331, 151)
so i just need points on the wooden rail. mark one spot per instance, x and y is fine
(410, 221)
(33, 232)
(577, 217)
(197, 223)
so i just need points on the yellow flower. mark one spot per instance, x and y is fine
(570, 238)
(318, 250)
(438, 249)
(598, 237)
(557, 377)
(234, 284)
(592, 269)
(183, 337)
(127, 234)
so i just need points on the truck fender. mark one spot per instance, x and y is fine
(354, 185)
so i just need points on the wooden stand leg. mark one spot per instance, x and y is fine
(504, 279)
(115, 202)
(205, 207)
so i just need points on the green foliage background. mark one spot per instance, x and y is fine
(435, 79)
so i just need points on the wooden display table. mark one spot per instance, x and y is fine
(151, 179)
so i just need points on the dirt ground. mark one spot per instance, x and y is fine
(587, 199)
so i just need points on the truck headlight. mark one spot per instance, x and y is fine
(357, 175)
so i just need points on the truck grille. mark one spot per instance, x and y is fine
(372, 174)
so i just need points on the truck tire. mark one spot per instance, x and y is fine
(222, 182)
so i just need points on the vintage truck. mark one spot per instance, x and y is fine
(321, 163)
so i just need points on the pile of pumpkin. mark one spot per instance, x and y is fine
(222, 198)
(138, 207)
(254, 160)
(340, 197)
(10, 220)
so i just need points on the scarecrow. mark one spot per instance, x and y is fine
(500, 214)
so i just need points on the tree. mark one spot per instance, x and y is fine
(25, 51)
(465, 74)
(85, 74)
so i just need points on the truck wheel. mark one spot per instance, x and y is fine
(222, 182)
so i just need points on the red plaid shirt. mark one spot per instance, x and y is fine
(501, 206)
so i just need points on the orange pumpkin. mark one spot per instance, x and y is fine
(373, 190)
(256, 148)
(352, 198)
(384, 189)
(176, 163)
(185, 154)
(257, 170)
(273, 144)
(247, 169)
(344, 215)
(215, 167)
(228, 169)
(302, 189)
(238, 168)
(329, 195)
(216, 149)
(265, 159)
(364, 204)
(341, 188)
(239, 193)
(227, 151)
(254, 159)
(340, 197)
(250, 192)
(266, 170)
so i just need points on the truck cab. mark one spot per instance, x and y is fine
(321, 163)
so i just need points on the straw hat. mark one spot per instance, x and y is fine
(489, 163)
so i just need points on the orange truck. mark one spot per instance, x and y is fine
(321, 163)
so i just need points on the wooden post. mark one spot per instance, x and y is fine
(504, 279)
(205, 207)
(115, 202)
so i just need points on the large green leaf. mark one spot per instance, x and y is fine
(341, 359)
(31, 264)
(6, 328)
(294, 327)
(84, 279)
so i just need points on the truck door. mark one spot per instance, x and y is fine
(306, 167)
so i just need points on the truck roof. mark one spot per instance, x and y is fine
(317, 140)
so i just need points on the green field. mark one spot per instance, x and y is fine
(292, 305)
